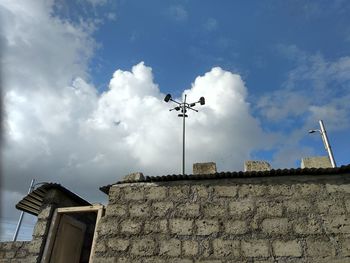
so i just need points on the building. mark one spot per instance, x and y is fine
(260, 215)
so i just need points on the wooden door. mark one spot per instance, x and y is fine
(69, 241)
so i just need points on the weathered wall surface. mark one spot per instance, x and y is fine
(282, 219)
(19, 251)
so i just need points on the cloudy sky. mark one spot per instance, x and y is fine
(83, 84)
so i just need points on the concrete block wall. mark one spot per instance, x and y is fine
(19, 251)
(281, 219)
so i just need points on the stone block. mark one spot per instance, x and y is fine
(131, 227)
(107, 226)
(21, 253)
(9, 254)
(143, 247)
(118, 244)
(116, 209)
(307, 226)
(208, 261)
(241, 208)
(171, 247)
(133, 193)
(316, 162)
(200, 191)
(287, 248)
(179, 192)
(281, 190)
(335, 188)
(226, 248)
(347, 205)
(272, 208)
(225, 190)
(190, 248)
(319, 248)
(40, 228)
(236, 227)
(309, 189)
(100, 246)
(204, 168)
(179, 260)
(139, 210)
(217, 209)
(133, 177)
(337, 224)
(205, 249)
(45, 213)
(35, 245)
(104, 259)
(275, 225)
(300, 206)
(161, 208)
(155, 226)
(156, 192)
(181, 226)
(345, 247)
(153, 260)
(187, 210)
(207, 227)
(255, 248)
(256, 166)
(249, 190)
(331, 207)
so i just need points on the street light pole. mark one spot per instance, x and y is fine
(183, 106)
(326, 143)
(183, 134)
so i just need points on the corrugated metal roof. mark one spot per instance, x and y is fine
(225, 175)
(32, 202)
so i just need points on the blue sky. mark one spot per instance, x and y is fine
(83, 84)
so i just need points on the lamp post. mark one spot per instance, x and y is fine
(326, 144)
(183, 106)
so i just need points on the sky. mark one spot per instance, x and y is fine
(83, 84)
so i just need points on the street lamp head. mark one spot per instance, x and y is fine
(313, 131)
(202, 100)
(167, 98)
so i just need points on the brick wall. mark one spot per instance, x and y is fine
(274, 219)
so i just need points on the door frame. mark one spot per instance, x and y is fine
(97, 208)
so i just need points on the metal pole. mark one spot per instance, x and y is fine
(183, 135)
(22, 213)
(326, 144)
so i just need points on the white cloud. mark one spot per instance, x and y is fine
(211, 24)
(58, 128)
(97, 2)
(315, 89)
(111, 16)
(178, 13)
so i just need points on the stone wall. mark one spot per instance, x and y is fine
(272, 219)
(19, 251)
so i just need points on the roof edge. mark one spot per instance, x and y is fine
(240, 174)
